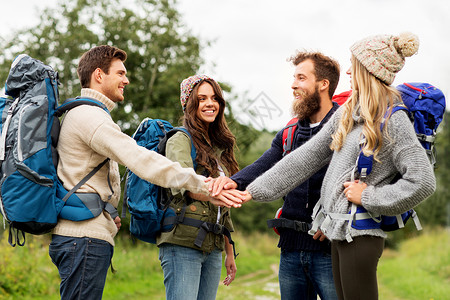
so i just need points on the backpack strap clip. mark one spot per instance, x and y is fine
(287, 223)
(14, 236)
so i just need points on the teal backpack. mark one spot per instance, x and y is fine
(148, 203)
(31, 195)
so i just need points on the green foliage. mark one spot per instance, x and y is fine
(253, 215)
(419, 269)
(262, 142)
(161, 52)
(436, 209)
(26, 272)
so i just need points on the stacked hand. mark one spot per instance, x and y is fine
(223, 192)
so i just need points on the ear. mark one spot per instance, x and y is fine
(97, 76)
(324, 85)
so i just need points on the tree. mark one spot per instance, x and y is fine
(161, 52)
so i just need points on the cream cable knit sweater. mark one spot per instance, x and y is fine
(403, 153)
(89, 135)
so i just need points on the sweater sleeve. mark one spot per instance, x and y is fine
(409, 158)
(244, 177)
(296, 167)
(178, 149)
(105, 137)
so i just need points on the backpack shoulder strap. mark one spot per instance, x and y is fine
(288, 135)
(162, 144)
(364, 163)
(65, 107)
(74, 102)
(85, 179)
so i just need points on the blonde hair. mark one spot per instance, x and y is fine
(371, 98)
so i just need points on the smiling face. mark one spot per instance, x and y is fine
(304, 80)
(306, 91)
(113, 84)
(208, 104)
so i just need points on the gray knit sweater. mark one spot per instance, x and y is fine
(402, 153)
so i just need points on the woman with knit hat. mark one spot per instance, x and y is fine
(191, 255)
(356, 127)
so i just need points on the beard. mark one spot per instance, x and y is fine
(309, 105)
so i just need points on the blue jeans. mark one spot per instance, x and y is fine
(190, 274)
(82, 264)
(304, 274)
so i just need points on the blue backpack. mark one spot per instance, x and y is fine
(31, 195)
(148, 203)
(426, 106)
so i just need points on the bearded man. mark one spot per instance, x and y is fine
(305, 261)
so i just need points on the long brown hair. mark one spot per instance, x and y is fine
(218, 133)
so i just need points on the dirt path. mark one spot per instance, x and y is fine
(269, 283)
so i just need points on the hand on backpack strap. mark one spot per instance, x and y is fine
(353, 191)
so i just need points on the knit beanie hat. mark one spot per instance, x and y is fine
(384, 55)
(188, 85)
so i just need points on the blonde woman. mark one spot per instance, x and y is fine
(396, 150)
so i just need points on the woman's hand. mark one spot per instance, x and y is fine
(228, 198)
(353, 191)
(221, 183)
(247, 197)
(230, 263)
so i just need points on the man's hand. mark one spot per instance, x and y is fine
(320, 236)
(118, 223)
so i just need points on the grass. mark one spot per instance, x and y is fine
(418, 269)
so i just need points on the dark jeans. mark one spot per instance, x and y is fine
(304, 274)
(355, 267)
(82, 264)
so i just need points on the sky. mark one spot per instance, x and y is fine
(252, 39)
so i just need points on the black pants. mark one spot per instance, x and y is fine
(355, 267)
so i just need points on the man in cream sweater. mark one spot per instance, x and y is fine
(82, 250)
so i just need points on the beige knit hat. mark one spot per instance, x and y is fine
(384, 55)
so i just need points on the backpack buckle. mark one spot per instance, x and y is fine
(302, 226)
(217, 228)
